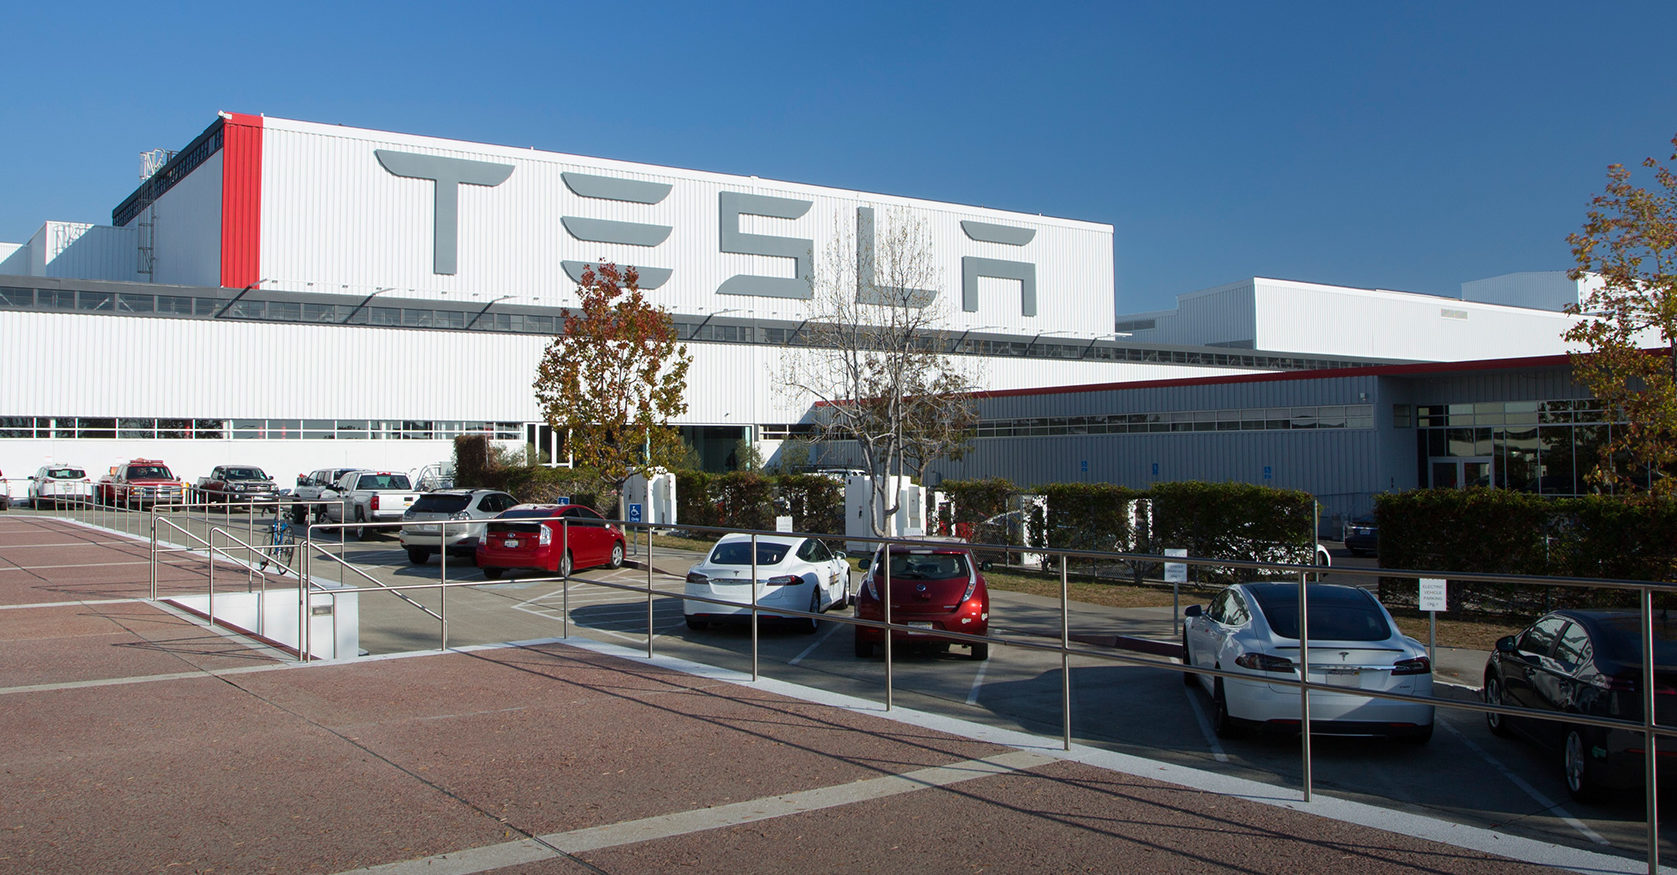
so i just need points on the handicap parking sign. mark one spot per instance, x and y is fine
(634, 513)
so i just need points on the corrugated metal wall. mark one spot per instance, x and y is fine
(187, 228)
(333, 219)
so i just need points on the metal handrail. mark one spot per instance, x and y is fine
(1302, 574)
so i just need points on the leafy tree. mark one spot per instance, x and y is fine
(1629, 241)
(614, 377)
(876, 359)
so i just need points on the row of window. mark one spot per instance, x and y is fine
(1495, 413)
(1254, 419)
(487, 318)
(78, 427)
(1548, 459)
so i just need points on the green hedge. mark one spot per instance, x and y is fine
(1496, 531)
(815, 502)
(1089, 516)
(1233, 520)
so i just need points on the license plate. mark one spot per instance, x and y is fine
(1342, 672)
(919, 625)
(512, 542)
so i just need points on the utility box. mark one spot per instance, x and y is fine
(655, 496)
(860, 507)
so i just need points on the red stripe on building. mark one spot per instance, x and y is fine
(241, 201)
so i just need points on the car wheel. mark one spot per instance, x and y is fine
(864, 648)
(418, 555)
(1577, 767)
(981, 652)
(1497, 723)
(809, 626)
(493, 573)
(696, 624)
(1221, 722)
(565, 565)
(360, 517)
(299, 514)
(1188, 677)
(616, 555)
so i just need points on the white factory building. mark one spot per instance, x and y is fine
(299, 295)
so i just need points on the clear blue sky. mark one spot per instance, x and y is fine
(1402, 146)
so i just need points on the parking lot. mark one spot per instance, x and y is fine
(1463, 776)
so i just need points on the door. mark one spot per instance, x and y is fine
(1455, 472)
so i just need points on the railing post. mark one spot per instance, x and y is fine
(1304, 678)
(648, 591)
(153, 569)
(1065, 654)
(442, 577)
(885, 602)
(1650, 760)
(753, 606)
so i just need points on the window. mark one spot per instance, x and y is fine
(1540, 639)
(1574, 648)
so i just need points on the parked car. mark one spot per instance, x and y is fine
(312, 487)
(59, 486)
(1252, 629)
(792, 572)
(422, 534)
(235, 483)
(552, 537)
(1362, 536)
(369, 497)
(1588, 663)
(933, 589)
(140, 483)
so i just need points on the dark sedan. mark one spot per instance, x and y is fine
(1585, 662)
(1362, 537)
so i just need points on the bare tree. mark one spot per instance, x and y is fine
(875, 356)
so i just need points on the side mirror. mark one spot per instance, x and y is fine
(840, 555)
(1507, 644)
(1191, 611)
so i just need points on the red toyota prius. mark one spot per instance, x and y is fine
(549, 537)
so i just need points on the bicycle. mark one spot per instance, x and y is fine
(281, 547)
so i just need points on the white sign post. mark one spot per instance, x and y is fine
(1433, 599)
(1176, 574)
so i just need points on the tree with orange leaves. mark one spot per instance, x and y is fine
(1629, 329)
(613, 378)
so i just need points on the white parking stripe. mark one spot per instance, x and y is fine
(977, 682)
(832, 628)
(1205, 724)
(1560, 813)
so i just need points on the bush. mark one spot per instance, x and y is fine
(972, 502)
(816, 503)
(1233, 521)
(1089, 516)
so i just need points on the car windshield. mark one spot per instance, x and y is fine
(66, 473)
(384, 481)
(434, 503)
(149, 472)
(926, 566)
(739, 553)
(1336, 614)
(246, 474)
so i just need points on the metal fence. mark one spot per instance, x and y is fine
(322, 543)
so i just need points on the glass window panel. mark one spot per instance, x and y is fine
(383, 315)
(1519, 453)
(174, 429)
(416, 318)
(1359, 416)
(320, 429)
(285, 311)
(416, 430)
(177, 304)
(1403, 416)
(17, 426)
(205, 306)
(1587, 442)
(207, 429)
(1460, 414)
(247, 429)
(136, 428)
(450, 319)
(1330, 417)
(95, 427)
(135, 303)
(1304, 417)
(319, 312)
(247, 310)
(352, 429)
(14, 297)
(57, 300)
(98, 301)
(64, 427)
(285, 429)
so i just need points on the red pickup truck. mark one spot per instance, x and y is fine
(140, 483)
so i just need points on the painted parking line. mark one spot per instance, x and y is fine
(704, 819)
(1211, 741)
(832, 629)
(1560, 813)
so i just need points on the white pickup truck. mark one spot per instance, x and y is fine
(370, 497)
